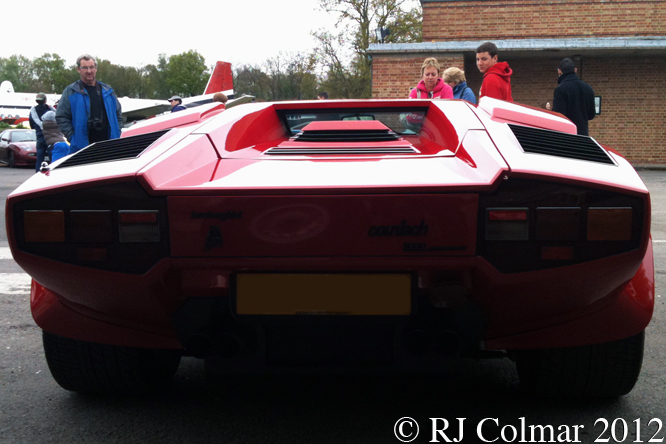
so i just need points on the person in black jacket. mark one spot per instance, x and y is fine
(176, 104)
(573, 97)
(35, 119)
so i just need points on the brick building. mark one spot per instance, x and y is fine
(619, 47)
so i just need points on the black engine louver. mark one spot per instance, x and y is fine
(554, 143)
(340, 151)
(114, 149)
(363, 135)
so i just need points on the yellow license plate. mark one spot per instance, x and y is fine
(323, 294)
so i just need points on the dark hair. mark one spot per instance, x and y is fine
(567, 65)
(488, 47)
(220, 97)
(323, 94)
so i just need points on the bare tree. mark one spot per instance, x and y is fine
(358, 19)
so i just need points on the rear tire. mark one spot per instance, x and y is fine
(609, 369)
(88, 367)
(11, 162)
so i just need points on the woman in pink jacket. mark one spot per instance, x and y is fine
(431, 85)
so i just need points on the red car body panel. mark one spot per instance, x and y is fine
(233, 199)
(303, 226)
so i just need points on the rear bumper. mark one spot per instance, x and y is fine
(624, 312)
(178, 299)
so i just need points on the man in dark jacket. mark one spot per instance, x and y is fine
(573, 97)
(36, 113)
(177, 104)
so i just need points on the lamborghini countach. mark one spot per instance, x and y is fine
(374, 235)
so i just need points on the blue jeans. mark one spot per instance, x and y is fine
(41, 152)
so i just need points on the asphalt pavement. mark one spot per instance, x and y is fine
(316, 409)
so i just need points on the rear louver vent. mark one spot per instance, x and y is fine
(553, 143)
(115, 149)
(339, 151)
(361, 135)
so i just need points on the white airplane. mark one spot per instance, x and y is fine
(15, 107)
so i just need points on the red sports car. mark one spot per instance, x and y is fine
(392, 234)
(18, 147)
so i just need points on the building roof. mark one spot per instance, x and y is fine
(644, 46)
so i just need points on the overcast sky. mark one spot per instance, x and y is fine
(132, 33)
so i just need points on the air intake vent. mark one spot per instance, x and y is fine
(115, 149)
(553, 143)
(340, 151)
(347, 136)
(371, 131)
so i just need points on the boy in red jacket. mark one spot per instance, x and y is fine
(496, 75)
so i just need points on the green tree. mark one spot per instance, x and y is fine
(252, 80)
(284, 77)
(291, 77)
(125, 81)
(301, 77)
(50, 74)
(362, 17)
(18, 70)
(153, 79)
(405, 26)
(187, 74)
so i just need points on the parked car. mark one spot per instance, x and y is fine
(18, 147)
(378, 235)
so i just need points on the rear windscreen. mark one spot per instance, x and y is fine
(401, 121)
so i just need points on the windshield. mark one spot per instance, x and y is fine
(402, 121)
(23, 136)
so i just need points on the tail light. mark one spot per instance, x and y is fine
(609, 224)
(44, 226)
(90, 228)
(557, 224)
(507, 224)
(139, 226)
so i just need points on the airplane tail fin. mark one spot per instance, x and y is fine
(221, 79)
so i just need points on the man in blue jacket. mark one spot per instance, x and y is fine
(88, 110)
(573, 97)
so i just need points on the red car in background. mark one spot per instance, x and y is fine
(366, 234)
(18, 147)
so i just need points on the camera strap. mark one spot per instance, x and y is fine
(98, 88)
